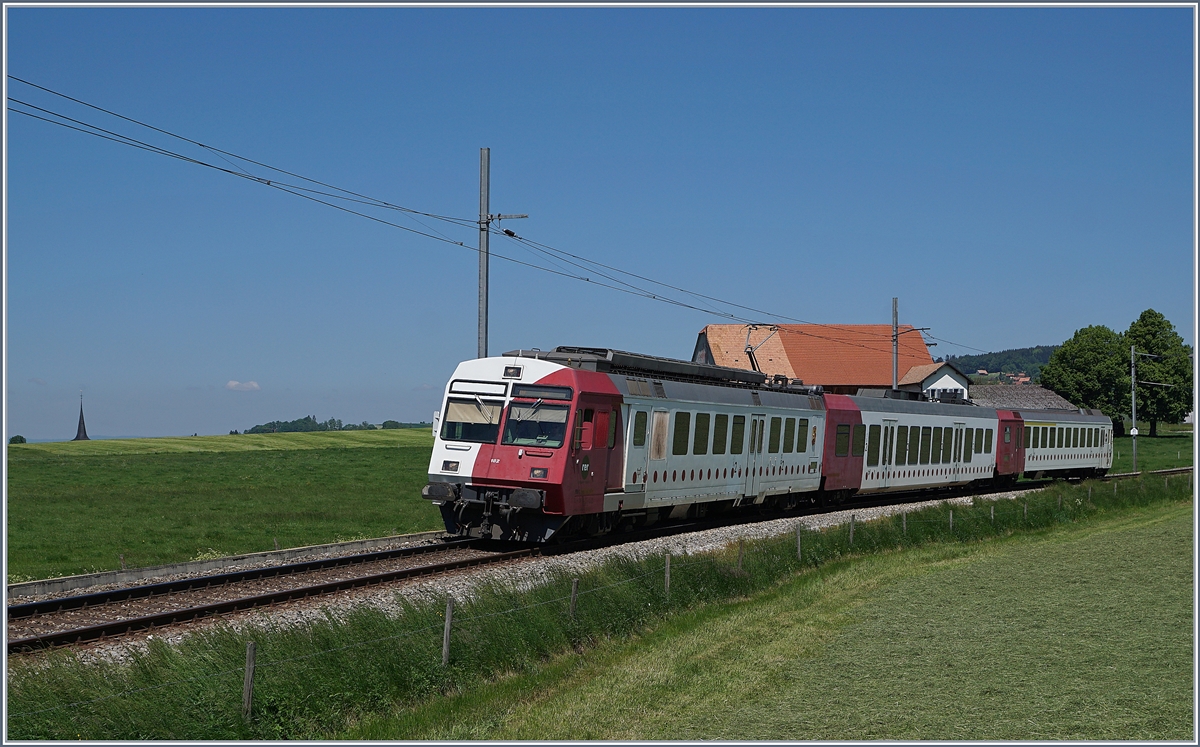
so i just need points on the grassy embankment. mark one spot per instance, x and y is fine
(1072, 620)
(75, 507)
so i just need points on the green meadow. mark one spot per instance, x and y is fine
(1064, 615)
(77, 507)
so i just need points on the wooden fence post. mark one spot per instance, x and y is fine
(741, 551)
(667, 577)
(993, 513)
(1026, 515)
(574, 595)
(248, 682)
(1060, 502)
(446, 632)
(952, 521)
(851, 530)
(799, 547)
(904, 522)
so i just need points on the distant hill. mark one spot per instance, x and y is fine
(1029, 360)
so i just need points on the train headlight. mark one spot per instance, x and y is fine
(537, 473)
(439, 491)
(449, 466)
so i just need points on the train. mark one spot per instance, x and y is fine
(535, 446)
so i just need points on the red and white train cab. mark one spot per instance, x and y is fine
(534, 444)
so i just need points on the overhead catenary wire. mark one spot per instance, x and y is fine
(703, 302)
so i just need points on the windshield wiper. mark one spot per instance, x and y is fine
(483, 409)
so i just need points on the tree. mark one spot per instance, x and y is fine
(390, 424)
(1091, 370)
(1152, 333)
(17, 440)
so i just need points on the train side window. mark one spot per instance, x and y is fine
(947, 445)
(858, 441)
(584, 435)
(720, 431)
(901, 445)
(1060, 437)
(1028, 438)
(967, 449)
(639, 428)
(1104, 438)
(914, 444)
(1045, 442)
(1008, 434)
(1095, 437)
(957, 445)
(987, 440)
(978, 440)
(1087, 443)
(789, 435)
(773, 444)
(683, 424)
(1076, 441)
(738, 439)
(872, 446)
(926, 440)
(700, 441)
(612, 429)
(758, 444)
(841, 443)
(658, 435)
(935, 453)
(802, 435)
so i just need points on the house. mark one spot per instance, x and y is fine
(842, 358)
(937, 381)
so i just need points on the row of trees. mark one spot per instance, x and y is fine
(1092, 370)
(309, 424)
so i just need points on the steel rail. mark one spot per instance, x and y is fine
(82, 601)
(150, 622)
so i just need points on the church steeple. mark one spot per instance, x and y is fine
(81, 435)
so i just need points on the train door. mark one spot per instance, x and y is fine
(660, 425)
(889, 444)
(637, 451)
(754, 456)
(956, 465)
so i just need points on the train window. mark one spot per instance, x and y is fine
(1095, 437)
(978, 440)
(901, 444)
(536, 425)
(1075, 438)
(935, 452)
(926, 440)
(802, 435)
(773, 444)
(474, 420)
(1030, 437)
(700, 440)
(683, 426)
(612, 429)
(947, 445)
(1008, 434)
(872, 446)
(966, 451)
(858, 441)
(720, 431)
(841, 444)
(914, 444)
(738, 439)
(789, 435)
(1087, 438)
(1061, 431)
(536, 391)
(987, 439)
(758, 444)
(957, 445)
(1104, 438)
(1044, 441)
(639, 428)
(658, 436)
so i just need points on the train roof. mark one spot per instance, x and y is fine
(607, 360)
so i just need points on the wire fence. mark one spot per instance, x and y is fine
(547, 618)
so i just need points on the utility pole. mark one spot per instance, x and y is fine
(485, 224)
(895, 344)
(1133, 401)
(485, 178)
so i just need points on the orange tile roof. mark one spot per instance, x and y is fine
(829, 355)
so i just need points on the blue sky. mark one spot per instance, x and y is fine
(1012, 175)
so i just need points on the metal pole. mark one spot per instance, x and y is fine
(1133, 432)
(895, 344)
(484, 224)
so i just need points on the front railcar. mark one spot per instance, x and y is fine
(520, 446)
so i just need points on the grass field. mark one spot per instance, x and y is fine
(75, 507)
(1075, 633)
(1066, 613)
(1171, 448)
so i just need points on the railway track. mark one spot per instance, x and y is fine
(97, 616)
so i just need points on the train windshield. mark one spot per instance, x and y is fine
(475, 420)
(535, 424)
